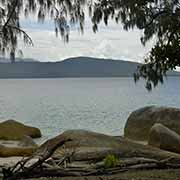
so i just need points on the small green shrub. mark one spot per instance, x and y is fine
(110, 161)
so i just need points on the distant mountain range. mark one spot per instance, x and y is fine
(72, 67)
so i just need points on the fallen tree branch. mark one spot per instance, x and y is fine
(26, 171)
(139, 164)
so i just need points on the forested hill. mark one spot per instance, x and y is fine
(73, 67)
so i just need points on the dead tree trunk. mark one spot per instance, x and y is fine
(48, 149)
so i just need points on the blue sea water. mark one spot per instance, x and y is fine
(97, 104)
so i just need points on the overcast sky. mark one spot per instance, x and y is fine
(110, 42)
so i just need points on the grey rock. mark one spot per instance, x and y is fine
(164, 138)
(140, 121)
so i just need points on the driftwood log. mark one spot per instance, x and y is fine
(131, 156)
(22, 171)
(42, 168)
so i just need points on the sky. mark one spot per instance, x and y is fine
(109, 42)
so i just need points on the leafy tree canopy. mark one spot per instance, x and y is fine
(158, 19)
(59, 10)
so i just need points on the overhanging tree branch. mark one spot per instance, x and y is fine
(22, 31)
(11, 13)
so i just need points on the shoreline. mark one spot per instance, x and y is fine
(88, 154)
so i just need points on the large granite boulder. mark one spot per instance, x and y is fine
(92, 146)
(13, 130)
(164, 138)
(85, 138)
(140, 121)
(82, 141)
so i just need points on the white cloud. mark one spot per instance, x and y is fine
(110, 42)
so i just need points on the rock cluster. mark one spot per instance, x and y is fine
(92, 146)
(164, 138)
(159, 126)
(140, 121)
(16, 139)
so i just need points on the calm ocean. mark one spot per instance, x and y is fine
(98, 104)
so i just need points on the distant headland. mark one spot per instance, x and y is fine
(72, 67)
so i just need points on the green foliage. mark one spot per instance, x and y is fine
(63, 13)
(158, 19)
(110, 161)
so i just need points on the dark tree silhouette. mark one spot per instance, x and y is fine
(158, 19)
(63, 13)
